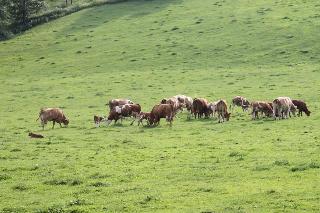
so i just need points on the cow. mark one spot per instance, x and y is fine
(262, 107)
(200, 107)
(185, 101)
(177, 106)
(118, 102)
(212, 108)
(142, 116)
(119, 112)
(161, 111)
(282, 106)
(97, 120)
(222, 110)
(241, 102)
(54, 115)
(302, 107)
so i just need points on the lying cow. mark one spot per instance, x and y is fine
(241, 102)
(97, 120)
(161, 111)
(222, 110)
(119, 112)
(54, 115)
(282, 106)
(262, 107)
(302, 107)
(118, 102)
(200, 108)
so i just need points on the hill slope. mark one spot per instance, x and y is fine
(147, 50)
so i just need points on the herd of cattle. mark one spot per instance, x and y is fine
(279, 108)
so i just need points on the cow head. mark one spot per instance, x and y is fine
(308, 112)
(65, 122)
(227, 115)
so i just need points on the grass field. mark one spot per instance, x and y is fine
(145, 51)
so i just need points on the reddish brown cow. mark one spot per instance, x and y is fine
(200, 107)
(262, 107)
(54, 115)
(241, 102)
(161, 111)
(222, 110)
(118, 102)
(302, 107)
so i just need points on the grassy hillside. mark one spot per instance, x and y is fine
(148, 50)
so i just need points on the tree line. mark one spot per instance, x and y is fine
(15, 14)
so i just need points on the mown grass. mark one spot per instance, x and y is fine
(147, 50)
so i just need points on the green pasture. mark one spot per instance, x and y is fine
(148, 50)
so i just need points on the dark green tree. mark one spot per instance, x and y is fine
(21, 10)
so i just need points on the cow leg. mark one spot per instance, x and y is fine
(108, 122)
(42, 124)
(53, 123)
(133, 121)
(60, 125)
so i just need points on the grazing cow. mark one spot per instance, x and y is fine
(200, 107)
(222, 110)
(302, 107)
(282, 106)
(177, 106)
(241, 102)
(118, 102)
(119, 112)
(54, 115)
(262, 107)
(161, 111)
(33, 135)
(97, 120)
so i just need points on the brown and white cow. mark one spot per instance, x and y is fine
(97, 120)
(118, 102)
(161, 111)
(222, 110)
(54, 115)
(212, 108)
(282, 106)
(200, 107)
(302, 107)
(262, 107)
(241, 102)
(185, 101)
(177, 106)
(123, 111)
